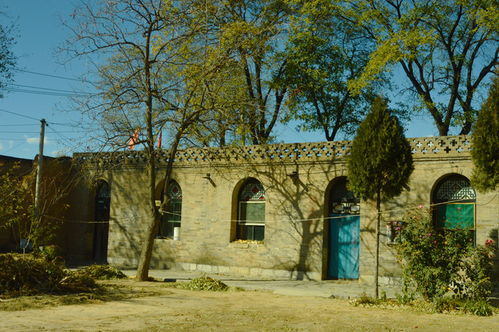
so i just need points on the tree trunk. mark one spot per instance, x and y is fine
(146, 252)
(376, 261)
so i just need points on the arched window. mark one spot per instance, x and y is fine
(251, 211)
(454, 203)
(173, 216)
(342, 200)
(102, 201)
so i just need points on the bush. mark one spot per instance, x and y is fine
(478, 307)
(469, 306)
(102, 272)
(25, 274)
(435, 262)
(74, 282)
(365, 299)
(205, 283)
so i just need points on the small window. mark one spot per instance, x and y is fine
(173, 216)
(251, 212)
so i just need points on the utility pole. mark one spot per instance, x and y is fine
(40, 168)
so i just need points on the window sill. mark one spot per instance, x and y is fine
(244, 244)
(165, 239)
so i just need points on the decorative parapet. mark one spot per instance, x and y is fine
(422, 147)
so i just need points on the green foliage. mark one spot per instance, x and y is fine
(474, 307)
(322, 54)
(204, 283)
(16, 201)
(445, 49)
(50, 253)
(246, 39)
(485, 137)
(25, 274)
(380, 159)
(478, 307)
(438, 262)
(17, 193)
(101, 272)
(366, 300)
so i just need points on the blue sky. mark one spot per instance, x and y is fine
(39, 33)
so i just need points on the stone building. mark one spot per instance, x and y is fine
(278, 210)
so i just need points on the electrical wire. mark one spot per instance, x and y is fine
(45, 93)
(50, 89)
(17, 125)
(37, 132)
(19, 114)
(53, 76)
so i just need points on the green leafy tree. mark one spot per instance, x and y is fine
(249, 35)
(322, 56)
(380, 162)
(485, 139)
(445, 49)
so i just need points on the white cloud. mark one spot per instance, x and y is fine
(1, 146)
(59, 153)
(32, 140)
(36, 140)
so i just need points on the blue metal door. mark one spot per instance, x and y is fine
(344, 240)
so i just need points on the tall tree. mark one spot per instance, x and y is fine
(485, 139)
(322, 56)
(146, 79)
(445, 48)
(7, 58)
(249, 33)
(380, 162)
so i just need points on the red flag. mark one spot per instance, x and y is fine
(133, 140)
(160, 138)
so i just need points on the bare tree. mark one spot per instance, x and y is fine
(148, 80)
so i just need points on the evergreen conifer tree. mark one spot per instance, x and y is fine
(380, 162)
(485, 139)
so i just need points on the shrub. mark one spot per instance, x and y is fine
(102, 272)
(25, 274)
(74, 282)
(51, 253)
(435, 262)
(478, 307)
(470, 306)
(364, 300)
(205, 283)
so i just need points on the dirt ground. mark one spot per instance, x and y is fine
(183, 310)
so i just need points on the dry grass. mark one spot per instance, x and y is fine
(151, 306)
(107, 293)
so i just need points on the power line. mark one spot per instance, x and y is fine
(46, 93)
(17, 125)
(36, 132)
(19, 114)
(63, 124)
(53, 76)
(50, 89)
